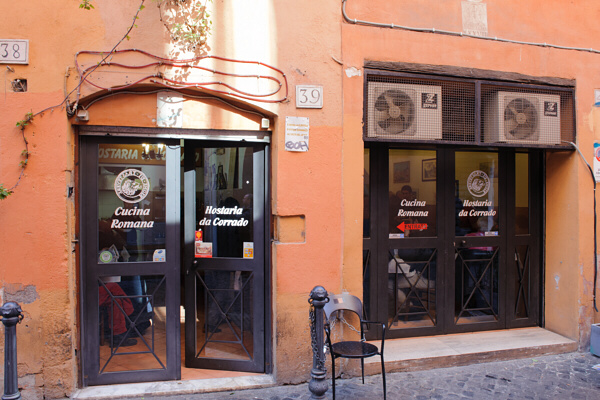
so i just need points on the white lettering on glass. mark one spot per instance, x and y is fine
(131, 224)
(132, 211)
(223, 210)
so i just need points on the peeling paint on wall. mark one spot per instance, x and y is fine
(352, 72)
(556, 279)
(21, 294)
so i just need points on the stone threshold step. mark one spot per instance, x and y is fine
(411, 354)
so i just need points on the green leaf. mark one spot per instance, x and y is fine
(4, 192)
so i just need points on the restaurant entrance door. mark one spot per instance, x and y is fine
(130, 259)
(452, 239)
(224, 234)
(158, 222)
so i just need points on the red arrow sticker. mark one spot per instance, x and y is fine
(404, 226)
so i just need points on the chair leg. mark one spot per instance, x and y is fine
(383, 376)
(362, 369)
(333, 376)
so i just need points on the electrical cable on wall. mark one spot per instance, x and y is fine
(191, 96)
(595, 223)
(276, 94)
(461, 34)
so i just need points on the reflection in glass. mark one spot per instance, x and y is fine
(476, 194)
(411, 288)
(224, 314)
(522, 282)
(367, 284)
(131, 202)
(224, 201)
(476, 280)
(132, 315)
(412, 193)
(366, 196)
(522, 193)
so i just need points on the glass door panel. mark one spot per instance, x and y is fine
(412, 288)
(476, 189)
(224, 257)
(130, 260)
(410, 231)
(522, 194)
(476, 285)
(477, 213)
(133, 332)
(412, 193)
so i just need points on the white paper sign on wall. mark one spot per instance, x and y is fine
(309, 96)
(296, 133)
(596, 165)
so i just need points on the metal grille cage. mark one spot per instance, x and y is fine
(410, 108)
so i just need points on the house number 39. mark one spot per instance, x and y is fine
(309, 96)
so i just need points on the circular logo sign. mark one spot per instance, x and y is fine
(106, 256)
(132, 185)
(478, 183)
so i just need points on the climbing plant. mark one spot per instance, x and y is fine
(188, 22)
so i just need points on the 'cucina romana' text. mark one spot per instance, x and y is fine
(120, 211)
(132, 211)
(131, 224)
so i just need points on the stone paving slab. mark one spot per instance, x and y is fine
(563, 376)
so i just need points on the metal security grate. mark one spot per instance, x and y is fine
(407, 108)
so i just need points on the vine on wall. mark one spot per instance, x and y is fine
(188, 22)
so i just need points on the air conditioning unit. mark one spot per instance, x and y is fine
(527, 118)
(404, 111)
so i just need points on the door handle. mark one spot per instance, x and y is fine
(194, 264)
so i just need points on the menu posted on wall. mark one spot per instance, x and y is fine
(296, 133)
(597, 161)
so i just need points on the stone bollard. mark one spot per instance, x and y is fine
(11, 314)
(318, 383)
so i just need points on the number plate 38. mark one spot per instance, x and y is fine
(14, 51)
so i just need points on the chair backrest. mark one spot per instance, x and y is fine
(344, 301)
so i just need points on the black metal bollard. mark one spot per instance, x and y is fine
(11, 314)
(318, 383)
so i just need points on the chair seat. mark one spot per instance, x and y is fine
(354, 349)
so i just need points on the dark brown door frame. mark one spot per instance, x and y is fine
(257, 266)
(92, 270)
(376, 245)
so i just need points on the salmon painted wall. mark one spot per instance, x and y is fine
(569, 222)
(306, 184)
(38, 268)
(317, 195)
(303, 41)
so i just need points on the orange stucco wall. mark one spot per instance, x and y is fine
(318, 194)
(569, 205)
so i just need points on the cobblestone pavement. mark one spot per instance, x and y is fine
(564, 376)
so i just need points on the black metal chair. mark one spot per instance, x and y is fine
(351, 349)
